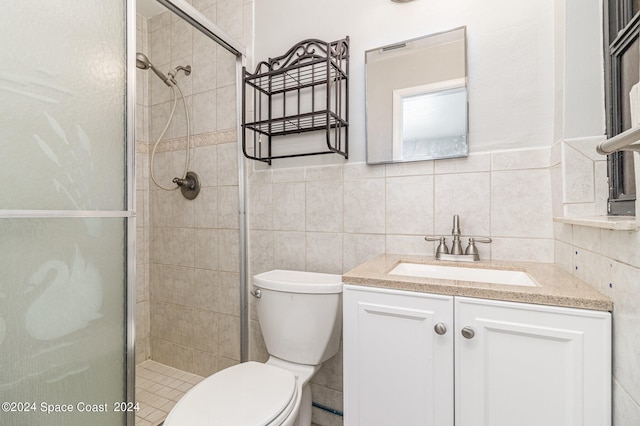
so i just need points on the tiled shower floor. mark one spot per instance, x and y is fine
(158, 388)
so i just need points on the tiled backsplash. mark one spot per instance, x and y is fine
(336, 217)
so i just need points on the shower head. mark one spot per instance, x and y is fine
(144, 63)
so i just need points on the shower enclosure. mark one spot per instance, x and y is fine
(68, 209)
(67, 225)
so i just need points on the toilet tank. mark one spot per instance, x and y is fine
(300, 314)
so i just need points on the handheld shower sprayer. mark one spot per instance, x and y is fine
(189, 183)
(144, 63)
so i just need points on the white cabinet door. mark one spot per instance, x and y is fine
(398, 371)
(531, 365)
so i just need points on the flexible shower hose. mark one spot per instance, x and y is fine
(155, 146)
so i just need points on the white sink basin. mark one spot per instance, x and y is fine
(492, 276)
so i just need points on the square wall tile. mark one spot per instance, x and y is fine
(408, 244)
(204, 112)
(229, 250)
(416, 168)
(205, 331)
(228, 207)
(260, 209)
(480, 162)
(536, 158)
(289, 206)
(225, 116)
(519, 249)
(521, 204)
(323, 209)
(289, 250)
(205, 208)
(228, 164)
(409, 205)
(578, 177)
(467, 195)
(364, 206)
(261, 251)
(229, 336)
(204, 63)
(358, 248)
(206, 242)
(626, 410)
(206, 289)
(324, 252)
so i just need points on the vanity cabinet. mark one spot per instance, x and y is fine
(415, 358)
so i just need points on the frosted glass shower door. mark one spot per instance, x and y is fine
(66, 211)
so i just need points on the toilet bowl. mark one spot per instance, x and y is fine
(300, 315)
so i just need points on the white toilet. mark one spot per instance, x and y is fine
(300, 314)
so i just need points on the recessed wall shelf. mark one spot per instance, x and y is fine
(614, 223)
(304, 90)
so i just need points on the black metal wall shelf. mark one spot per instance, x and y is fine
(304, 90)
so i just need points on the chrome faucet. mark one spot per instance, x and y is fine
(456, 254)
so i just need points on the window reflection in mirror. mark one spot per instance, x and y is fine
(417, 99)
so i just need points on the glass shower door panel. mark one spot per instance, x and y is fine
(62, 104)
(61, 321)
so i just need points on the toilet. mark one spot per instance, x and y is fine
(300, 314)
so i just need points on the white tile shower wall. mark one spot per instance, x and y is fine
(193, 245)
(194, 267)
(332, 218)
(610, 262)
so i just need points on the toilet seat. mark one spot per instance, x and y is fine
(246, 394)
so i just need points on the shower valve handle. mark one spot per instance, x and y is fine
(188, 183)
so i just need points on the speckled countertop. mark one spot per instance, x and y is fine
(555, 286)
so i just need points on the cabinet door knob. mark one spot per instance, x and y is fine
(468, 333)
(440, 328)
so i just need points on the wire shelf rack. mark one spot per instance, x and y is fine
(304, 90)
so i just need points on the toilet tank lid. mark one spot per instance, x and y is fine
(299, 281)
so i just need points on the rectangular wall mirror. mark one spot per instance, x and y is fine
(417, 99)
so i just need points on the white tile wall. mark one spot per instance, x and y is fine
(609, 261)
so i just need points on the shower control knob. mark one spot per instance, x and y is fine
(468, 333)
(440, 328)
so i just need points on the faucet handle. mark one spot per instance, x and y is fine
(442, 247)
(472, 249)
(479, 240)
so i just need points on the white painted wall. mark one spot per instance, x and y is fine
(582, 70)
(510, 53)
